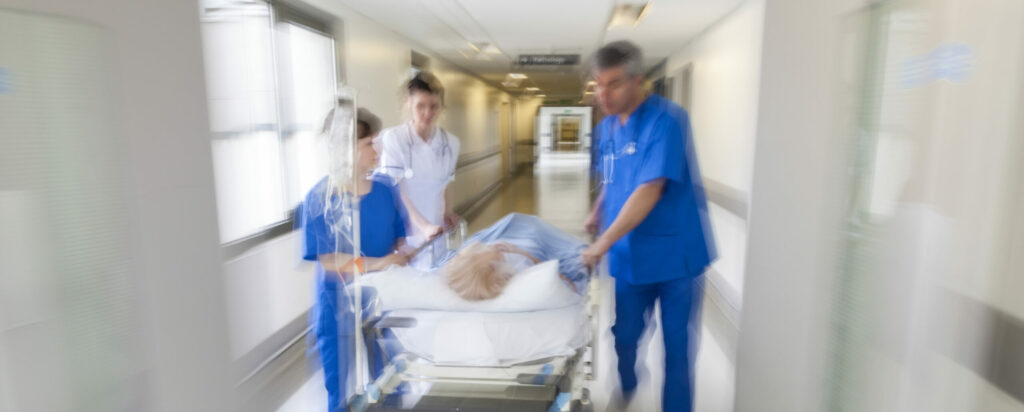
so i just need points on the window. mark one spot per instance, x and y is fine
(270, 82)
(308, 94)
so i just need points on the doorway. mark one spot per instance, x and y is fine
(566, 129)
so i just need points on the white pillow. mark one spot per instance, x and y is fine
(539, 287)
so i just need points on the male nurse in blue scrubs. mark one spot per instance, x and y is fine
(382, 234)
(652, 219)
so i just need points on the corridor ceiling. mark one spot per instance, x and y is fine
(485, 37)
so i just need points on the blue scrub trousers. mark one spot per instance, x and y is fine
(680, 321)
(335, 341)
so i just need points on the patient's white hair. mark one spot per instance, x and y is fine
(478, 272)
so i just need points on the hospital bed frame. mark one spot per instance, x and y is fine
(546, 385)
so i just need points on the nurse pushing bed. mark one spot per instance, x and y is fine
(420, 157)
(322, 220)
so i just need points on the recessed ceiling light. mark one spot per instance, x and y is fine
(513, 80)
(533, 89)
(624, 15)
(491, 49)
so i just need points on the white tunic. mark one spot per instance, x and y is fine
(425, 167)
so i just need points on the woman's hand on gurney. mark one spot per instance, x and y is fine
(451, 220)
(431, 231)
(394, 259)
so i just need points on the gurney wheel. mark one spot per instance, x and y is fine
(579, 406)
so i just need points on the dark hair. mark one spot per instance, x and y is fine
(425, 82)
(367, 123)
(622, 53)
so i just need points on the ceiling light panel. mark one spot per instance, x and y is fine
(627, 15)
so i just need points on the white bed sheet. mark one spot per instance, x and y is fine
(538, 287)
(494, 339)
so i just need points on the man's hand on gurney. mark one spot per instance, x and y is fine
(593, 253)
(636, 209)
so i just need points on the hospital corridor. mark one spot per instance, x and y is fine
(512, 206)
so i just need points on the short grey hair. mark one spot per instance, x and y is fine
(619, 53)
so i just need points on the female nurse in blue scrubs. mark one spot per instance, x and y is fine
(382, 233)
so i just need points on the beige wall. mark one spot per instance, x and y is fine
(726, 61)
(725, 64)
(526, 128)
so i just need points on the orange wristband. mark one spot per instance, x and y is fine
(359, 264)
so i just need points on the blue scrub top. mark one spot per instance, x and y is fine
(380, 217)
(675, 239)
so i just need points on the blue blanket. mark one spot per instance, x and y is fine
(538, 238)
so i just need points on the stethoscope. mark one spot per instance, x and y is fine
(446, 150)
(629, 149)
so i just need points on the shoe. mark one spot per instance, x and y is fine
(620, 401)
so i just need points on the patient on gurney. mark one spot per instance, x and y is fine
(480, 271)
(519, 263)
(513, 293)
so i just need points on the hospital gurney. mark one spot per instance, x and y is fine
(442, 360)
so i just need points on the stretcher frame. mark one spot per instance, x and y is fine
(554, 384)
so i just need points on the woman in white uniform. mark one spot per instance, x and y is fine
(421, 158)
